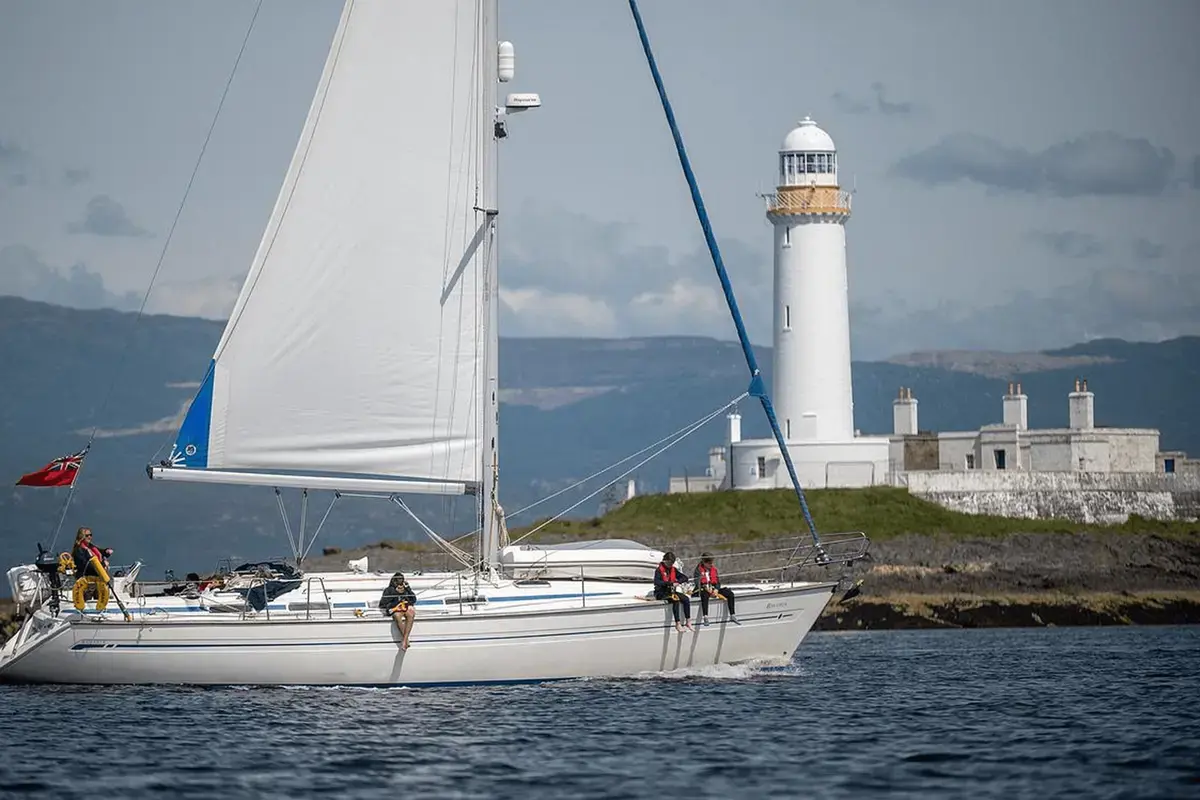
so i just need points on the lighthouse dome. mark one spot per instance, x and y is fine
(807, 137)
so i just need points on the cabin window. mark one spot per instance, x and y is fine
(308, 606)
(468, 600)
(762, 466)
(1001, 458)
(970, 461)
(1168, 465)
(787, 237)
(787, 318)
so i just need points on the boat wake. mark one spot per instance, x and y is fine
(746, 670)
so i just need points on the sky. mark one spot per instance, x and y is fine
(1027, 174)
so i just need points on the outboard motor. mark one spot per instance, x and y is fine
(47, 564)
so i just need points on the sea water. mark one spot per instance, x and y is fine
(1072, 712)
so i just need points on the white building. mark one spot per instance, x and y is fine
(1012, 445)
(811, 372)
(812, 389)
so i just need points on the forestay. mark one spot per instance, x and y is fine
(358, 345)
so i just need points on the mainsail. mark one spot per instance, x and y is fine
(362, 343)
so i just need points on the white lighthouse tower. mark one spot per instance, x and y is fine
(811, 385)
(809, 211)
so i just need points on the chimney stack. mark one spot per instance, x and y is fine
(735, 428)
(1016, 407)
(904, 413)
(1081, 405)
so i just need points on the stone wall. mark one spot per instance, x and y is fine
(1094, 497)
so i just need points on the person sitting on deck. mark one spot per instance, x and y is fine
(666, 577)
(400, 602)
(708, 585)
(89, 571)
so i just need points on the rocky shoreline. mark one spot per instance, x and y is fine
(939, 581)
(1043, 610)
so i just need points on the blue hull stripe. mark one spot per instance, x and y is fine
(367, 605)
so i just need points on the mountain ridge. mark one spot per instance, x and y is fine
(572, 406)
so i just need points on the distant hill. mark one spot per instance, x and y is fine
(569, 407)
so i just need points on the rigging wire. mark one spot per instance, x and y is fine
(154, 276)
(677, 436)
(681, 436)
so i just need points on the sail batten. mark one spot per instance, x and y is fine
(355, 345)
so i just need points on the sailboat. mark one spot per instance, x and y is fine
(360, 358)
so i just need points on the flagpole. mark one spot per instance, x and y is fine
(70, 491)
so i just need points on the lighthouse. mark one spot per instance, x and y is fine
(810, 384)
(809, 212)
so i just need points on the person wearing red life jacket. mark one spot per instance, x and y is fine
(666, 578)
(708, 585)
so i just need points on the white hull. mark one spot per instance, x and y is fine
(485, 646)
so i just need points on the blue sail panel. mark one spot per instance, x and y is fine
(191, 445)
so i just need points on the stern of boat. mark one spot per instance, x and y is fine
(37, 629)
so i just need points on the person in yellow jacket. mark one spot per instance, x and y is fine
(89, 571)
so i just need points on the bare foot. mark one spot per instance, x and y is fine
(404, 645)
(678, 627)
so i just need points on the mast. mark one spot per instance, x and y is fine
(497, 67)
(489, 501)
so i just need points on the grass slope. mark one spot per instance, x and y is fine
(881, 512)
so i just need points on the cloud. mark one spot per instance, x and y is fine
(73, 176)
(210, 298)
(1122, 303)
(1068, 244)
(168, 424)
(11, 152)
(878, 103)
(1146, 250)
(19, 167)
(542, 312)
(106, 217)
(15, 163)
(848, 104)
(1103, 164)
(564, 274)
(23, 273)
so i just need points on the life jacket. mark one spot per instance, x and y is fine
(95, 551)
(82, 556)
(670, 578)
(708, 575)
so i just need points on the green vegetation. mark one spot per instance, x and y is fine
(881, 512)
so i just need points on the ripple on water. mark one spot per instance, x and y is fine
(1051, 712)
